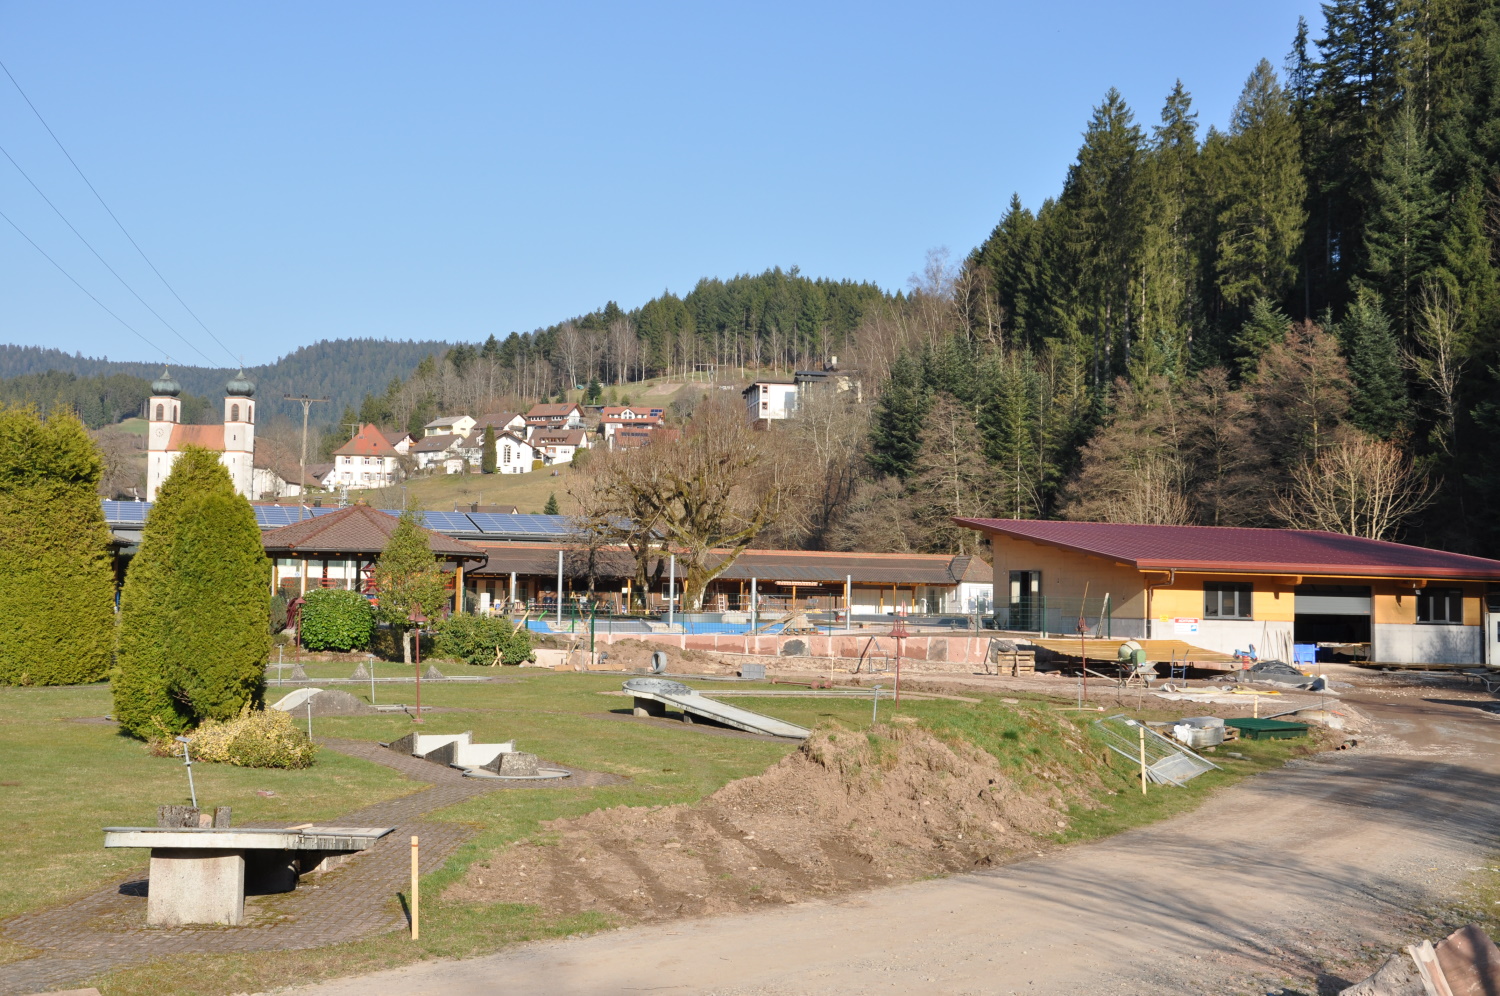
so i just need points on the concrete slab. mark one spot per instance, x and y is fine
(190, 885)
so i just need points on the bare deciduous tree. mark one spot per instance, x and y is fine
(1440, 356)
(1359, 486)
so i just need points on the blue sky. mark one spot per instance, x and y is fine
(302, 171)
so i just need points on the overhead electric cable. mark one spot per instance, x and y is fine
(111, 213)
(70, 276)
(123, 283)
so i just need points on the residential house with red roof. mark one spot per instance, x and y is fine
(613, 418)
(564, 416)
(1225, 588)
(554, 446)
(367, 460)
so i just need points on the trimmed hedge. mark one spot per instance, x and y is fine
(475, 639)
(57, 618)
(335, 619)
(194, 615)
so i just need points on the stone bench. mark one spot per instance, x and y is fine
(198, 875)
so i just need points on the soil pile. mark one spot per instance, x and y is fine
(846, 811)
(635, 655)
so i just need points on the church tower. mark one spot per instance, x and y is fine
(163, 413)
(239, 433)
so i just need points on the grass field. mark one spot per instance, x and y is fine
(70, 779)
(440, 493)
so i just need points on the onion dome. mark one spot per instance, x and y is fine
(165, 385)
(239, 386)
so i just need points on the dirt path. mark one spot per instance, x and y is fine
(1282, 881)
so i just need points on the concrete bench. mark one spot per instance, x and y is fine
(198, 875)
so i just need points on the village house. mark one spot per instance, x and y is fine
(367, 460)
(513, 454)
(554, 446)
(564, 416)
(768, 400)
(234, 441)
(613, 418)
(502, 421)
(437, 451)
(449, 425)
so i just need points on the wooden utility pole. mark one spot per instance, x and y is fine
(306, 404)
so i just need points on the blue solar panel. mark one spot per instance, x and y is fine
(502, 524)
(276, 516)
(448, 522)
(125, 512)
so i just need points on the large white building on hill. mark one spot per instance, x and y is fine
(234, 440)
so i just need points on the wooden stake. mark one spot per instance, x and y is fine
(1256, 699)
(1140, 728)
(415, 894)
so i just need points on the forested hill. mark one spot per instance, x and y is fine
(342, 369)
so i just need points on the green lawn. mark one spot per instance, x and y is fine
(75, 778)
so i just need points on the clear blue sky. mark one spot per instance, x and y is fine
(312, 170)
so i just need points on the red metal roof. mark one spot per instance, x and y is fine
(1238, 550)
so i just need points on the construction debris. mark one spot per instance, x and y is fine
(1166, 763)
(1465, 963)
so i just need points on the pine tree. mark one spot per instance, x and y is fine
(896, 429)
(551, 507)
(1171, 193)
(57, 623)
(194, 612)
(408, 577)
(1400, 235)
(1265, 327)
(1379, 404)
(487, 456)
(1261, 213)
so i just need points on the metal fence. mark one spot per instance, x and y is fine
(1056, 616)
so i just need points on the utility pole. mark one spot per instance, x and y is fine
(302, 481)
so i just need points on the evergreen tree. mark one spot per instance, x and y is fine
(487, 456)
(408, 577)
(1264, 328)
(593, 393)
(896, 429)
(1399, 238)
(1379, 403)
(551, 507)
(1261, 212)
(194, 616)
(57, 623)
(1171, 198)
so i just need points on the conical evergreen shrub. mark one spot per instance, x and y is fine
(194, 612)
(57, 620)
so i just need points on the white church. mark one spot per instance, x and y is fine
(234, 440)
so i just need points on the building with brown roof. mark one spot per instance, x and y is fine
(234, 440)
(339, 550)
(367, 460)
(1225, 588)
(554, 446)
(564, 416)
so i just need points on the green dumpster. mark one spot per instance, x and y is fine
(1267, 729)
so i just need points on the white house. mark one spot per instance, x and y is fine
(503, 421)
(401, 442)
(556, 446)
(513, 454)
(616, 417)
(566, 416)
(430, 451)
(770, 399)
(234, 440)
(449, 425)
(367, 460)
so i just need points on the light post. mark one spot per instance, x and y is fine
(417, 617)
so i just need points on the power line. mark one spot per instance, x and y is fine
(70, 276)
(111, 213)
(100, 258)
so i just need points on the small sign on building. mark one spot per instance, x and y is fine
(1185, 625)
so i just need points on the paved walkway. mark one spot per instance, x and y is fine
(107, 929)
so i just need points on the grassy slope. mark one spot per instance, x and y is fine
(563, 718)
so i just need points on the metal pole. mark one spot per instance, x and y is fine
(754, 604)
(187, 759)
(372, 678)
(671, 590)
(415, 892)
(309, 717)
(559, 589)
(875, 706)
(849, 601)
(1141, 729)
(417, 636)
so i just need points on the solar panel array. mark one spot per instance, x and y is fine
(487, 524)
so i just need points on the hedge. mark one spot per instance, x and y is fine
(476, 638)
(335, 619)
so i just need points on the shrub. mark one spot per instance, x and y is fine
(194, 616)
(57, 618)
(475, 639)
(279, 603)
(259, 738)
(335, 619)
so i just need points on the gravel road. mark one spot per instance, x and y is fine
(1294, 879)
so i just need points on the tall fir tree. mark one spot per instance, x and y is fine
(487, 457)
(1402, 227)
(1379, 403)
(896, 426)
(57, 621)
(1265, 327)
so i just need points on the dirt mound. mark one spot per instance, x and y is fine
(846, 811)
(635, 655)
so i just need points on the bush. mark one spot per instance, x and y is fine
(57, 615)
(263, 738)
(335, 619)
(279, 603)
(475, 639)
